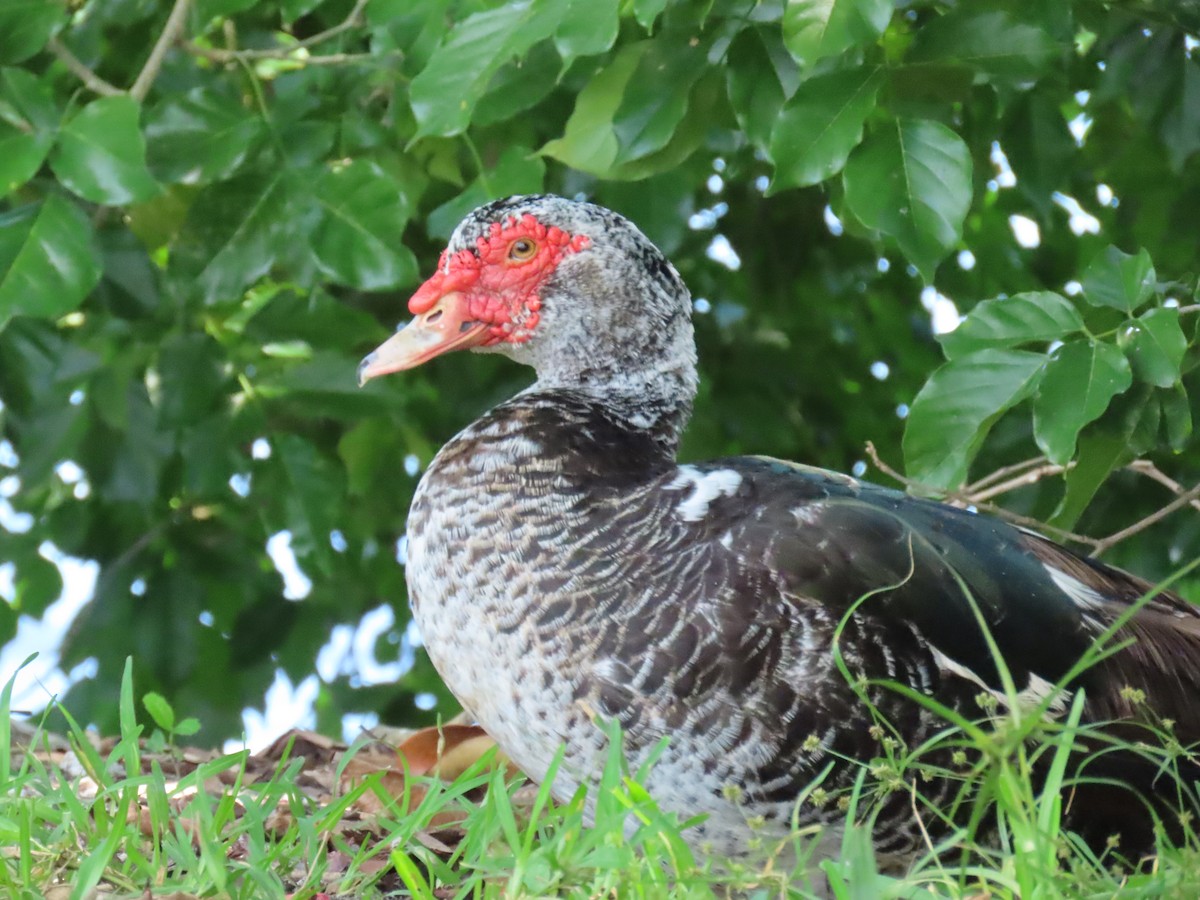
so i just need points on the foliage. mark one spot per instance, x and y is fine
(119, 819)
(210, 212)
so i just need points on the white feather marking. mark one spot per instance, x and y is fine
(1080, 593)
(609, 669)
(808, 514)
(706, 487)
(1034, 693)
(1088, 600)
(727, 540)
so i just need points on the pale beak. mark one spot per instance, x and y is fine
(443, 327)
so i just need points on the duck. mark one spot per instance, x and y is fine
(749, 621)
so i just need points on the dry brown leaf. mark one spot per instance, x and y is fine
(428, 840)
(446, 751)
(317, 749)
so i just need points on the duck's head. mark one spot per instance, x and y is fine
(570, 288)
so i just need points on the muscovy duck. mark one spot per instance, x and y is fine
(563, 566)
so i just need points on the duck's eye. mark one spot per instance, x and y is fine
(522, 249)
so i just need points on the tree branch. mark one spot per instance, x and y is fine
(1178, 503)
(1033, 476)
(1004, 472)
(75, 66)
(353, 20)
(1151, 471)
(170, 33)
(966, 499)
(1031, 471)
(283, 53)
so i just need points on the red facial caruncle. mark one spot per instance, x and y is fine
(478, 298)
(502, 277)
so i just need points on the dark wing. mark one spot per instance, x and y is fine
(1164, 658)
(835, 540)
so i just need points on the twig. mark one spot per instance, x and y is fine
(1195, 307)
(978, 499)
(1004, 472)
(170, 33)
(1033, 476)
(886, 469)
(353, 20)
(1151, 471)
(956, 498)
(90, 79)
(339, 59)
(1178, 503)
(283, 53)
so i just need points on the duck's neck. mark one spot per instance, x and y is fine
(648, 391)
(657, 408)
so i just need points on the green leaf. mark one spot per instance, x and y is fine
(26, 26)
(160, 710)
(519, 85)
(28, 123)
(814, 29)
(1180, 126)
(27, 102)
(38, 584)
(646, 11)
(1157, 346)
(101, 156)
(588, 142)
(1039, 145)
(1104, 446)
(820, 125)
(48, 259)
(705, 101)
(953, 412)
(656, 98)
(357, 236)
(518, 171)
(1138, 413)
(994, 45)
(297, 9)
(187, 727)
(139, 456)
(200, 137)
(1119, 280)
(206, 10)
(445, 92)
(1081, 379)
(1099, 455)
(588, 27)
(314, 495)
(1177, 414)
(912, 181)
(233, 233)
(1009, 321)
(191, 381)
(759, 76)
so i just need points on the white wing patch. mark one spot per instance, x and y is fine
(1089, 601)
(705, 488)
(1034, 693)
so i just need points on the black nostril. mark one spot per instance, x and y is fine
(433, 317)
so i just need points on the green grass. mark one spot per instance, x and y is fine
(73, 826)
